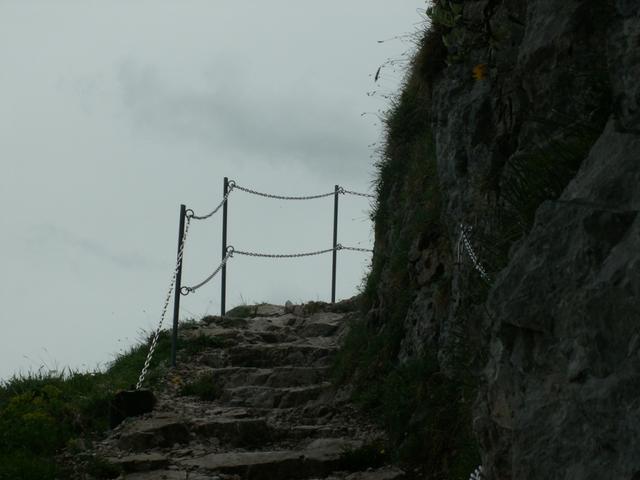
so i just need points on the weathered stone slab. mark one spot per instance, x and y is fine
(296, 396)
(296, 376)
(320, 458)
(268, 310)
(140, 463)
(159, 475)
(319, 329)
(270, 377)
(268, 397)
(389, 473)
(235, 431)
(130, 403)
(279, 355)
(152, 433)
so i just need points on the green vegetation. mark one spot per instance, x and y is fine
(242, 311)
(206, 387)
(199, 343)
(426, 414)
(370, 455)
(41, 413)
(542, 172)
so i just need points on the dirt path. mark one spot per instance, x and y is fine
(274, 415)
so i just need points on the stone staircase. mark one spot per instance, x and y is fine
(276, 416)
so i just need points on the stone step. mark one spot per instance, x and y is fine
(269, 397)
(232, 336)
(139, 463)
(306, 432)
(320, 458)
(164, 475)
(265, 323)
(386, 473)
(270, 377)
(145, 434)
(236, 432)
(164, 432)
(282, 354)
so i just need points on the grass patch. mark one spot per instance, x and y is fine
(206, 387)
(99, 468)
(42, 413)
(426, 414)
(196, 344)
(25, 465)
(242, 311)
(370, 455)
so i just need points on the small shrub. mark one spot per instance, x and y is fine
(242, 311)
(193, 345)
(24, 465)
(370, 455)
(41, 413)
(99, 468)
(206, 387)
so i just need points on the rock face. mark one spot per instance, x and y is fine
(275, 415)
(556, 332)
(563, 380)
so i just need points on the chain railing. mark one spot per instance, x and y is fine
(353, 249)
(478, 474)
(231, 251)
(283, 255)
(465, 244)
(351, 192)
(341, 191)
(187, 215)
(174, 278)
(188, 290)
(191, 214)
(228, 252)
(281, 197)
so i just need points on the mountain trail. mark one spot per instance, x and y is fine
(274, 414)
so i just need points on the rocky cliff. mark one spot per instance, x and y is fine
(508, 238)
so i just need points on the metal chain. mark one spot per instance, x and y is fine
(289, 255)
(478, 474)
(231, 250)
(154, 341)
(464, 240)
(351, 192)
(341, 190)
(191, 214)
(187, 290)
(354, 249)
(283, 197)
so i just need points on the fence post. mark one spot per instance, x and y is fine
(223, 288)
(335, 243)
(176, 298)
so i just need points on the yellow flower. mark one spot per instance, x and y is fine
(480, 71)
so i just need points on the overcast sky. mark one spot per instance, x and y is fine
(113, 113)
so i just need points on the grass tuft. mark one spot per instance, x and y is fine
(42, 413)
(206, 387)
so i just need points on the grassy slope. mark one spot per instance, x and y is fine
(41, 414)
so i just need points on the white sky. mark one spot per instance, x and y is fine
(112, 113)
